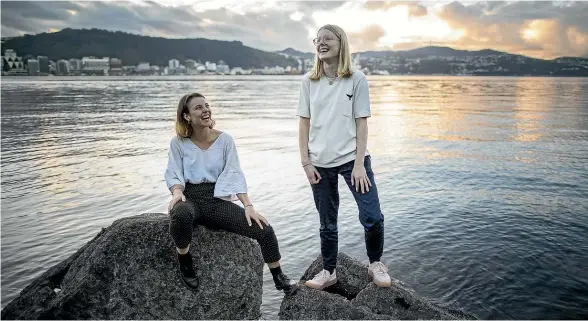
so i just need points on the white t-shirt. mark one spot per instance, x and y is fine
(332, 110)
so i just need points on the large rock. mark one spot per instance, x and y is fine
(130, 271)
(355, 297)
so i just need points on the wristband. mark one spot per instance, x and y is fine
(173, 190)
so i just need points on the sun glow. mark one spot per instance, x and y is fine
(530, 34)
(398, 24)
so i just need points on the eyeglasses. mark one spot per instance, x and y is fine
(324, 39)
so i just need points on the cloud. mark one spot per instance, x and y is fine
(366, 39)
(538, 28)
(414, 8)
(310, 6)
(272, 29)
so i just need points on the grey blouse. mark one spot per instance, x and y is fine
(219, 164)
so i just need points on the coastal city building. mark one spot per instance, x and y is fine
(115, 67)
(371, 63)
(95, 65)
(62, 67)
(13, 64)
(44, 69)
(75, 64)
(33, 67)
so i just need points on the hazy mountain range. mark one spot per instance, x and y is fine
(133, 49)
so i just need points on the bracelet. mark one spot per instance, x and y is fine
(173, 190)
(306, 164)
(248, 205)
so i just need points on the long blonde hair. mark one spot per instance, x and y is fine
(344, 67)
(183, 127)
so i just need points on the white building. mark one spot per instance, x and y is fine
(190, 63)
(12, 63)
(355, 64)
(241, 71)
(223, 68)
(75, 64)
(143, 66)
(210, 66)
(277, 70)
(63, 67)
(174, 64)
(96, 64)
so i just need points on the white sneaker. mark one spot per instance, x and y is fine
(322, 280)
(379, 272)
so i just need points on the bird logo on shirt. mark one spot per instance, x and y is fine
(349, 96)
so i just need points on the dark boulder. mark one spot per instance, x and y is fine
(130, 271)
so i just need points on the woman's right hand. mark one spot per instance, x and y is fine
(312, 174)
(177, 196)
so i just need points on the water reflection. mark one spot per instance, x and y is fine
(483, 179)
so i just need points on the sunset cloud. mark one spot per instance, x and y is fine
(414, 9)
(541, 29)
(535, 28)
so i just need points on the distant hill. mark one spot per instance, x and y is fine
(414, 53)
(295, 53)
(430, 51)
(449, 61)
(132, 49)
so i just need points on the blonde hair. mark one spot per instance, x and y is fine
(183, 127)
(344, 68)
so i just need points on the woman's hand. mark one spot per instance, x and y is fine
(359, 179)
(251, 214)
(312, 174)
(177, 196)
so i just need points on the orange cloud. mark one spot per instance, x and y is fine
(366, 39)
(414, 8)
(542, 29)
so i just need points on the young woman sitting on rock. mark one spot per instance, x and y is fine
(205, 177)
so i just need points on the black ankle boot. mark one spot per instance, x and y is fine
(187, 270)
(284, 283)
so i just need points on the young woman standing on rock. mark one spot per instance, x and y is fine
(333, 107)
(204, 176)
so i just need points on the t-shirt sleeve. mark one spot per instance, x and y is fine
(304, 99)
(361, 99)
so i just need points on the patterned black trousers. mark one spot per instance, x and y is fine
(203, 209)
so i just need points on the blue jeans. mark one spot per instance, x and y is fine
(326, 199)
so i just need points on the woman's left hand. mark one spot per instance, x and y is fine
(251, 214)
(360, 180)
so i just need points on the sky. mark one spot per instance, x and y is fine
(539, 29)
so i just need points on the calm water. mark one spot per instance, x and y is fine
(483, 181)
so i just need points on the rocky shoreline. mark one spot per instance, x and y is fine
(355, 297)
(129, 271)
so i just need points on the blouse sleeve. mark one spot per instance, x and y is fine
(231, 180)
(174, 173)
